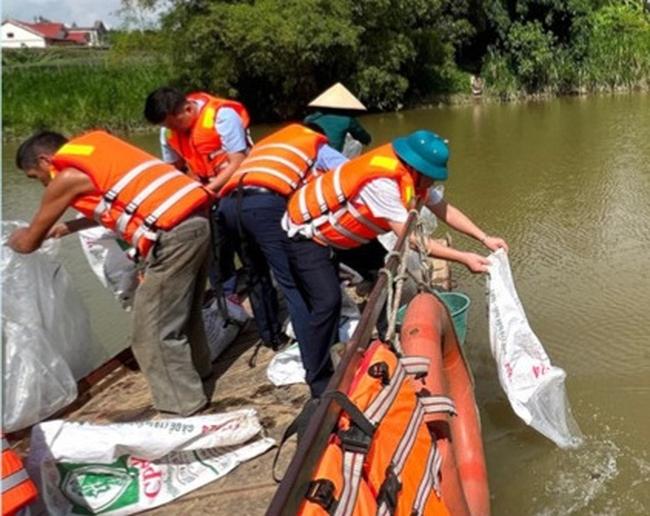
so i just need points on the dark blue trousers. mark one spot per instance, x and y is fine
(257, 218)
(317, 278)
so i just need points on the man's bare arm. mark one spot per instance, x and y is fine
(70, 226)
(474, 262)
(457, 220)
(58, 196)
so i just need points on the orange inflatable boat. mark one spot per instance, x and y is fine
(428, 331)
(407, 440)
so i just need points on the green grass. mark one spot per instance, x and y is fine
(75, 96)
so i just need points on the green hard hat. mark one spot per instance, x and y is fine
(425, 151)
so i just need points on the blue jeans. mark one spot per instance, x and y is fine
(316, 274)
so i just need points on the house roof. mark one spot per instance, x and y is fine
(49, 30)
(26, 26)
(78, 37)
(55, 32)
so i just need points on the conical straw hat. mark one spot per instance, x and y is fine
(337, 97)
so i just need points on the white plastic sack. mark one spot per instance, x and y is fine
(110, 263)
(46, 333)
(37, 382)
(219, 334)
(132, 467)
(351, 147)
(535, 388)
(286, 367)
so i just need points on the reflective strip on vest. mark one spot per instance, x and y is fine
(382, 403)
(334, 222)
(299, 172)
(352, 469)
(320, 196)
(302, 202)
(146, 229)
(290, 148)
(13, 480)
(363, 220)
(107, 200)
(270, 171)
(427, 482)
(416, 364)
(436, 404)
(208, 118)
(337, 185)
(317, 234)
(125, 217)
(408, 440)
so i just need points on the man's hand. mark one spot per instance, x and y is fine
(475, 262)
(16, 238)
(58, 231)
(493, 243)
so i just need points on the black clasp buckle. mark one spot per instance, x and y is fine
(355, 440)
(390, 489)
(380, 370)
(321, 491)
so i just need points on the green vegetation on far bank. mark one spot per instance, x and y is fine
(74, 92)
(275, 55)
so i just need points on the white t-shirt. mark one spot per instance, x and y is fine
(381, 196)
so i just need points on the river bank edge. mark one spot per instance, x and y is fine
(434, 101)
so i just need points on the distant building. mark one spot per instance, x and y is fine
(44, 33)
(95, 35)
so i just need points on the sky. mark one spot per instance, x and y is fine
(83, 12)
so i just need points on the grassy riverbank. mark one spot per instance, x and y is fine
(76, 92)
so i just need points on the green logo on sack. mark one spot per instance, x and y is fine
(97, 488)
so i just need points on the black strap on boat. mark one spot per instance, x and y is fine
(321, 492)
(296, 427)
(356, 415)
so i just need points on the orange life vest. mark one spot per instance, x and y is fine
(201, 147)
(329, 204)
(137, 194)
(382, 458)
(280, 162)
(17, 488)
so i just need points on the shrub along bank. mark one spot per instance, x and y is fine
(275, 55)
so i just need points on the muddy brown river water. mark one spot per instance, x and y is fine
(567, 183)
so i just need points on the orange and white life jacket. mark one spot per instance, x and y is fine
(18, 490)
(281, 162)
(382, 459)
(330, 206)
(201, 146)
(137, 194)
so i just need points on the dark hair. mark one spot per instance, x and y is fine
(162, 102)
(44, 142)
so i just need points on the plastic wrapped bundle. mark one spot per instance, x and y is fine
(535, 387)
(46, 334)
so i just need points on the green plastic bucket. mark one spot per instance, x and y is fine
(458, 305)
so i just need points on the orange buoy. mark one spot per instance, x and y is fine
(18, 490)
(427, 330)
